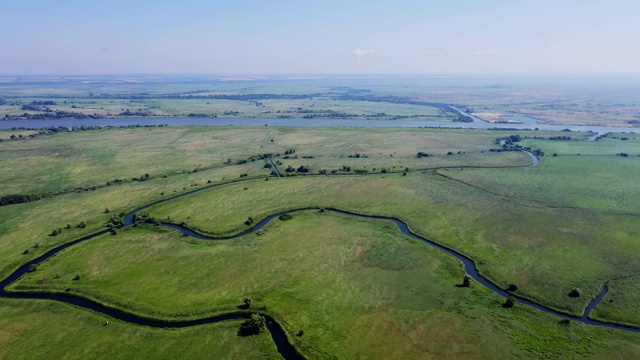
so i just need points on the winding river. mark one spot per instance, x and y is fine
(280, 338)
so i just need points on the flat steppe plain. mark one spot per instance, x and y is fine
(355, 288)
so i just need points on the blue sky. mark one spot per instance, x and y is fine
(336, 37)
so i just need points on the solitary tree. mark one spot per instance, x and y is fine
(511, 301)
(255, 325)
(466, 280)
(575, 292)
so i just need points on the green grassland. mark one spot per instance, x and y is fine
(589, 175)
(32, 329)
(543, 248)
(92, 158)
(622, 304)
(22, 226)
(86, 159)
(320, 106)
(356, 288)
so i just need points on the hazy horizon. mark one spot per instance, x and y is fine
(284, 38)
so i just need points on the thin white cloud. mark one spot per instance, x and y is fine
(485, 52)
(363, 52)
(432, 53)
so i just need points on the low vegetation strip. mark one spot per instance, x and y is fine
(18, 199)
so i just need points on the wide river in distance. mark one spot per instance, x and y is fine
(318, 122)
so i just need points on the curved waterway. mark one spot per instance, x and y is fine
(283, 345)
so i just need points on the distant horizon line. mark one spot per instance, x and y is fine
(267, 75)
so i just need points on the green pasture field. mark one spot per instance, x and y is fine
(235, 108)
(22, 226)
(31, 329)
(84, 159)
(100, 107)
(622, 303)
(355, 288)
(590, 175)
(542, 248)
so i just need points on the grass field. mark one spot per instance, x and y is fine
(92, 158)
(321, 106)
(589, 175)
(32, 329)
(357, 288)
(543, 249)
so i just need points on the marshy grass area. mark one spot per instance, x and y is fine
(338, 285)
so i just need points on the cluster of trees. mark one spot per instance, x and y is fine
(358, 156)
(43, 103)
(302, 169)
(196, 115)
(313, 114)
(18, 199)
(462, 118)
(421, 154)
(37, 106)
(249, 97)
(134, 113)
(144, 177)
(48, 131)
(254, 325)
(537, 152)
(144, 218)
(53, 115)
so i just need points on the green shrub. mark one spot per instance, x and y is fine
(255, 325)
(575, 292)
(511, 301)
(285, 217)
(466, 280)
